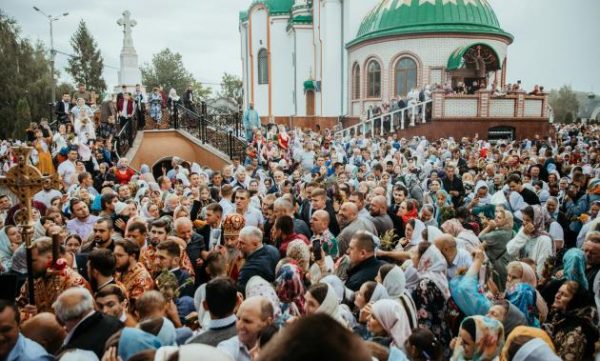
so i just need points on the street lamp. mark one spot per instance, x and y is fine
(51, 19)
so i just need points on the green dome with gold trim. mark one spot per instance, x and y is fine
(407, 17)
(275, 7)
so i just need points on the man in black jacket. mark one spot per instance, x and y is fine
(86, 328)
(260, 260)
(63, 109)
(363, 264)
(454, 186)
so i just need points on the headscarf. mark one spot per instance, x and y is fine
(453, 226)
(535, 350)
(574, 267)
(485, 200)
(488, 337)
(527, 331)
(330, 305)
(134, 340)
(289, 286)
(339, 289)
(523, 296)
(379, 293)
(392, 317)
(433, 266)
(513, 317)
(417, 235)
(540, 219)
(395, 282)
(258, 286)
(410, 215)
(411, 274)
(6, 252)
(529, 277)
(433, 233)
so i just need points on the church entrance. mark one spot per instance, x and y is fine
(471, 67)
(310, 103)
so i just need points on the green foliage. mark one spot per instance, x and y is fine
(167, 70)
(24, 80)
(564, 103)
(88, 64)
(231, 87)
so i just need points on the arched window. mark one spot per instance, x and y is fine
(405, 74)
(263, 67)
(373, 79)
(356, 82)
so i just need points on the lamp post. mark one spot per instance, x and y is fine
(51, 19)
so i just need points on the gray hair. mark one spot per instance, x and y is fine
(284, 204)
(67, 310)
(252, 233)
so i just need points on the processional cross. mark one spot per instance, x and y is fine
(25, 180)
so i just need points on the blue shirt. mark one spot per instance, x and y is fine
(28, 350)
(237, 350)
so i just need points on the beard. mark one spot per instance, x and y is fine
(123, 268)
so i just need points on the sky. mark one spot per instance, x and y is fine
(556, 41)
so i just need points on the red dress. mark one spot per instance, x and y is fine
(124, 177)
(283, 142)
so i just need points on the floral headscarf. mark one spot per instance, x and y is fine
(433, 266)
(574, 267)
(289, 287)
(524, 297)
(488, 336)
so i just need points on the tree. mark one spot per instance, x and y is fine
(24, 80)
(23, 118)
(88, 64)
(564, 103)
(167, 69)
(231, 87)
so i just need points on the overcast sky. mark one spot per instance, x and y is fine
(556, 41)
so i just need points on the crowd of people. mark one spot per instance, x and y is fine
(312, 246)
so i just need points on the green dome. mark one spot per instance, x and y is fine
(404, 17)
(275, 7)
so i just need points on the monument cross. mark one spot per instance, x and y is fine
(25, 180)
(127, 23)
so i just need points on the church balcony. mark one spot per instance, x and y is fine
(482, 114)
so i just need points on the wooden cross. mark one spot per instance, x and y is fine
(25, 180)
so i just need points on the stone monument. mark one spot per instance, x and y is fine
(129, 73)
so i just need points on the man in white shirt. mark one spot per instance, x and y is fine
(456, 258)
(254, 315)
(47, 193)
(66, 169)
(242, 206)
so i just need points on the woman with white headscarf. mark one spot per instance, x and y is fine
(321, 298)
(389, 324)
(432, 292)
(393, 279)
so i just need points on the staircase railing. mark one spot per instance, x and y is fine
(221, 131)
(391, 121)
(124, 139)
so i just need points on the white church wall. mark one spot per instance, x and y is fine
(331, 77)
(317, 45)
(258, 21)
(282, 75)
(353, 13)
(245, 63)
(304, 58)
(431, 52)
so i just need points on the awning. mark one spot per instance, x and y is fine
(456, 58)
(309, 85)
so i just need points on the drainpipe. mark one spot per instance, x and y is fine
(342, 64)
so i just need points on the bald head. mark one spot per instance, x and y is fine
(378, 206)
(44, 329)
(254, 314)
(319, 221)
(348, 213)
(73, 305)
(447, 245)
(379, 191)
